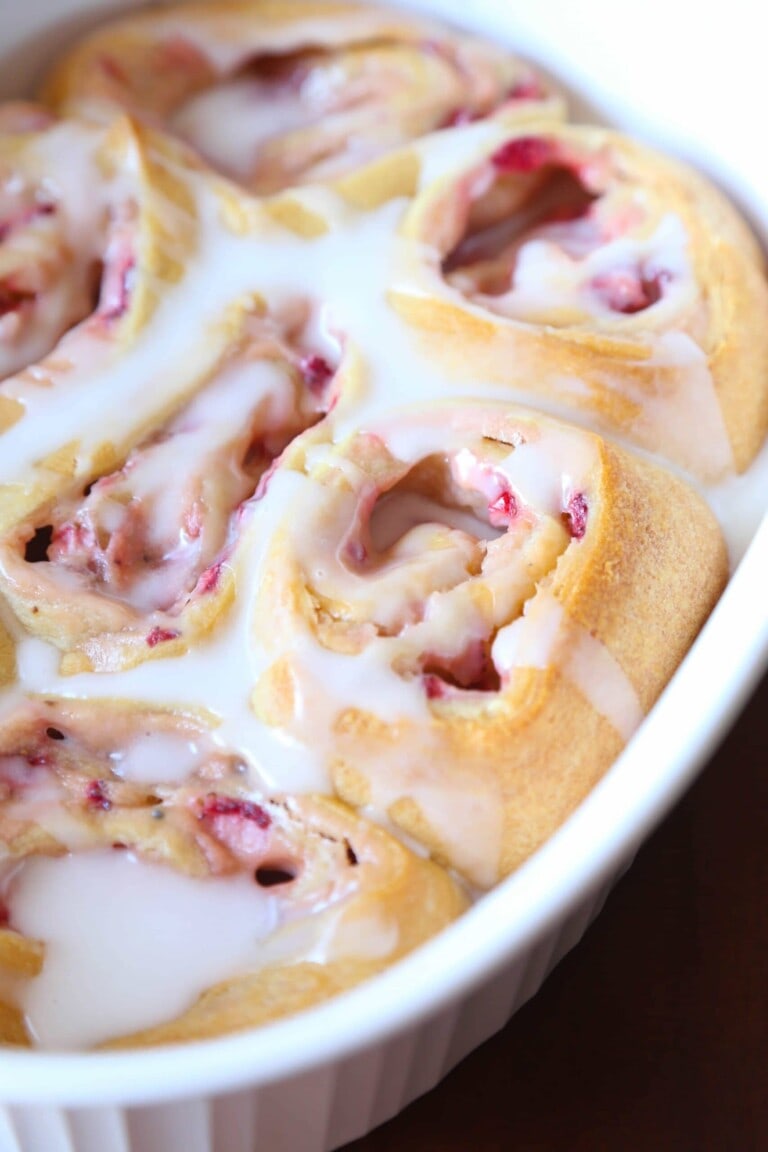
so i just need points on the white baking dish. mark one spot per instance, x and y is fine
(316, 1081)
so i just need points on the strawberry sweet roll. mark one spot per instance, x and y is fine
(609, 281)
(138, 859)
(466, 612)
(141, 560)
(276, 93)
(97, 229)
(84, 234)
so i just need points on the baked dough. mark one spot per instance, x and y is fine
(141, 561)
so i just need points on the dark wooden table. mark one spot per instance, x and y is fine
(652, 1036)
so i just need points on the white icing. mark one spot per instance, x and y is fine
(157, 758)
(739, 503)
(469, 821)
(518, 645)
(600, 677)
(129, 944)
(549, 470)
(544, 636)
(669, 417)
(228, 123)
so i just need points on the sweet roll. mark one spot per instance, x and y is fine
(152, 798)
(470, 608)
(611, 283)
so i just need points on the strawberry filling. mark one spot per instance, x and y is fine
(528, 89)
(209, 579)
(96, 796)
(576, 515)
(629, 291)
(161, 636)
(215, 805)
(53, 280)
(178, 53)
(524, 154)
(526, 192)
(113, 69)
(242, 826)
(441, 552)
(154, 784)
(503, 510)
(163, 526)
(316, 372)
(119, 268)
(472, 670)
(541, 225)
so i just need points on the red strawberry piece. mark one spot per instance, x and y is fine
(38, 760)
(210, 578)
(629, 291)
(316, 372)
(523, 154)
(96, 796)
(576, 515)
(434, 687)
(160, 636)
(503, 509)
(529, 89)
(215, 806)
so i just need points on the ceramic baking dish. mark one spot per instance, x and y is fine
(316, 1081)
